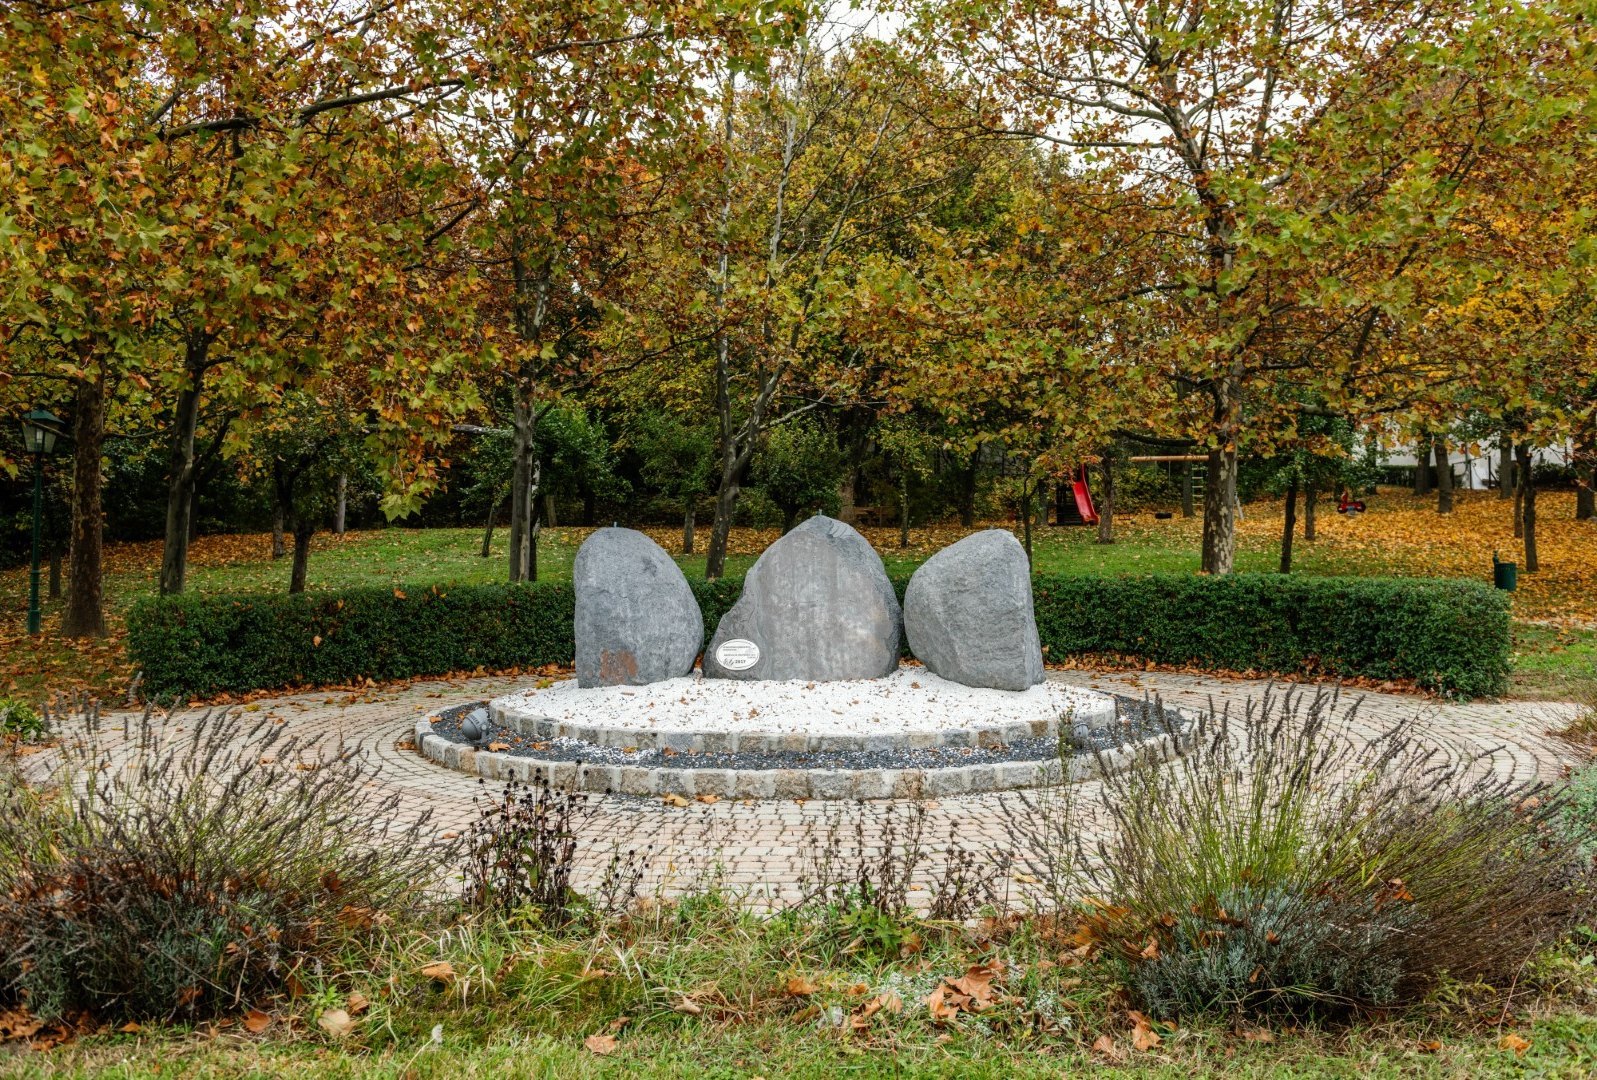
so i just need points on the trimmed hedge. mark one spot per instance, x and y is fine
(1448, 635)
(1451, 636)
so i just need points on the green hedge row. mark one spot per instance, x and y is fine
(1452, 636)
(1448, 635)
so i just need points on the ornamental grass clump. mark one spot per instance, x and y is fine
(1293, 862)
(187, 868)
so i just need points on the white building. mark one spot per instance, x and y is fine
(1478, 469)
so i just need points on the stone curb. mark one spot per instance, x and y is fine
(977, 734)
(791, 783)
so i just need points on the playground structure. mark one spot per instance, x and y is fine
(1073, 503)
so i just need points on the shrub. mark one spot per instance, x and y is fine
(522, 852)
(21, 721)
(187, 877)
(1143, 487)
(862, 885)
(1447, 635)
(1451, 636)
(1289, 864)
(1579, 821)
(201, 646)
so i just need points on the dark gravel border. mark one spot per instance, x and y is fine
(1137, 720)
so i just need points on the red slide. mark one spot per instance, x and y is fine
(1084, 505)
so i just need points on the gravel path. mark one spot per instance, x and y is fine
(760, 846)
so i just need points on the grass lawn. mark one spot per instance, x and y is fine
(1562, 1044)
(712, 995)
(1555, 609)
(706, 997)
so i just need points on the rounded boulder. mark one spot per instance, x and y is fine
(637, 620)
(816, 605)
(968, 614)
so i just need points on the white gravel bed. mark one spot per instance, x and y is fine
(911, 699)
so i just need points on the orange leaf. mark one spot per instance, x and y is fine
(256, 1022)
(942, 1005)
(336, 1022)
(1515, 1043)
(976, 984)
(1143, 1037)
(602, 1045)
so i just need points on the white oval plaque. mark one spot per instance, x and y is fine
(737, 654)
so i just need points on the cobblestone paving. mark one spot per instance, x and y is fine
(759, 847)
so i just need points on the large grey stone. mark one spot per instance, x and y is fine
(818, 606)
(637, 620)
(968, 614)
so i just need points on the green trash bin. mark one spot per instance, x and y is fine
(1505, 575)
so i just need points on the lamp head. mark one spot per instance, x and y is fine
(40, 429)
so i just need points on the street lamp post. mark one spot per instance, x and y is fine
(39, 431)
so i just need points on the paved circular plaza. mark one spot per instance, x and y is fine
(760, 846)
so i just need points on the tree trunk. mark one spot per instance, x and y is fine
(1527, 501)
(967, 490)
(789, 519)
(551, 519)
(1422, 466)
(1027, 497)
(343, 504)
(1311, 502)
(687, 527)
(1586, 482)
(85, 614)
(1289, 524)
(1187, 510)
(1220, 512)
(303, 531)
(1106, 500)
(533, 529)
(525, 474)
(55, 571)
(488, 529)
(903, 511)
(845, 487)
(1519, 504)
(180, 467)
(279, 549)
(725, 504)
(1505, 470)
(1444, 479)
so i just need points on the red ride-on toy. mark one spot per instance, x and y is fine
(1349, 505)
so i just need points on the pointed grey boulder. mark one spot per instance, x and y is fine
(816, 605)
(637, 619)
(968, 614)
